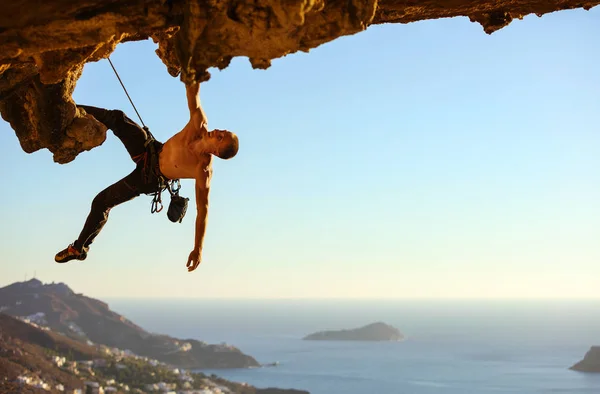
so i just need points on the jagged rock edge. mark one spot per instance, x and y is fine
(37, 78)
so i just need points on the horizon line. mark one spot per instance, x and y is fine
(356, 298)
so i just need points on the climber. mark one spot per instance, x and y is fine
(186, 155)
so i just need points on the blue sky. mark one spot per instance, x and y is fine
(427, 160)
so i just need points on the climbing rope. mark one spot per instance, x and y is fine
(130, 100)
(178, 205)
(172, 185)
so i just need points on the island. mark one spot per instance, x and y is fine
(372, 332)
(591, 361)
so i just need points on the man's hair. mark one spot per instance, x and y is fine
(231, 149)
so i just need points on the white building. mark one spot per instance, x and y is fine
(59, 361)
(165, 387)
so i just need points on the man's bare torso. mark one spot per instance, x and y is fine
(180, 157)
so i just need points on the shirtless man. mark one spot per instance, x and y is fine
(186, 155)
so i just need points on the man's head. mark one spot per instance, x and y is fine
(224, 144)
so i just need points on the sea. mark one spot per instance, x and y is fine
(450, 346)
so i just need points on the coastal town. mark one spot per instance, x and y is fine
(122, 371)
(55, 340)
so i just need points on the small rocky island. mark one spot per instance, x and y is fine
(591, 361)
(373, 332)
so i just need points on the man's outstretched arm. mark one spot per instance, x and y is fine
(197, 114)
(202, 190)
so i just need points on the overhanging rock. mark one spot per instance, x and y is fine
(43, 47)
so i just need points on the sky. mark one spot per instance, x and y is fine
(427, 160)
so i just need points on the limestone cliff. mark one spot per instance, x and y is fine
(44, 45)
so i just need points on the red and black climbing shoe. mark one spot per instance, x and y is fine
(68, 254)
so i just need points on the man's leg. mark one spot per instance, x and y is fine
(130, 133)
(118, 193)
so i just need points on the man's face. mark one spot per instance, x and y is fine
(217, 140)
(219, 135)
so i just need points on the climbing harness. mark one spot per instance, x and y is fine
(178, 205)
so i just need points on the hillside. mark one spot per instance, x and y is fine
(27, 351)
(37, 360)
(87, 319)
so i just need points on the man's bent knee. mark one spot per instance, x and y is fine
(116, 115)
(100, 203)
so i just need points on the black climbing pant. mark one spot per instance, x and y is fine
(134, 138)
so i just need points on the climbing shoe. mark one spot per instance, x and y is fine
(70, 253)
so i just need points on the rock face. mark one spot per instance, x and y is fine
(82, 318)
(43, 47)
(372, 332)
(591, 361)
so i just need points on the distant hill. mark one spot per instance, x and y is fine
(87, 319)
(36, 360)
(591, 361)
(373, 332)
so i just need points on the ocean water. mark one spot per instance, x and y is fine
(451, 347)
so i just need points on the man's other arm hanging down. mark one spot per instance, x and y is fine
(203, 176)
(202, 190)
